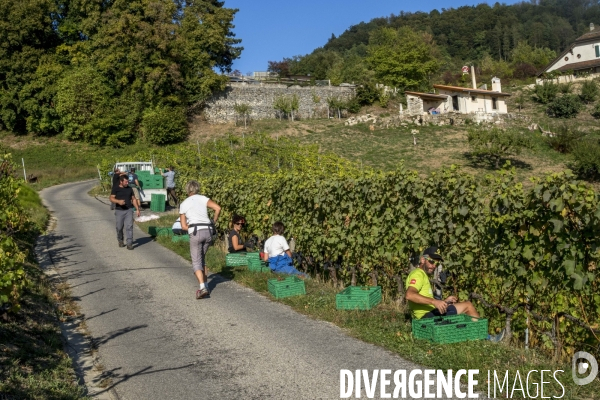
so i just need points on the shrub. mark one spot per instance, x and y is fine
(164, 124)
(367, 94)
(353, 105)
(524, 70)
(589, 92)
(586, 160)
(495, 144)
(565, 139)
(565, 88)
(545, 93)
(596, 111)
(566, 106)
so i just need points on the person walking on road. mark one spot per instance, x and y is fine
(124, 200)
(116, 181)
(170, 175)
(193, 214)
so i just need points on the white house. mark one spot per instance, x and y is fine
(582, 58)
(459, 99)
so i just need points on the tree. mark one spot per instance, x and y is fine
(281, 68)
(494, 144)
(243, 110)
(26, 37)
(523, 53)
(400, 58)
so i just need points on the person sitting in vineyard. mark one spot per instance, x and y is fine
(234, 239)
(277, 253)
(419, 293)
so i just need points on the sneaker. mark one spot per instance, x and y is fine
(121, 244)
(496, 338)
(129, 247)
(201, 293)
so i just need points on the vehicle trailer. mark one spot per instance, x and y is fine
(150, 178)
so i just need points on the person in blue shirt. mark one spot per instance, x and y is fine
(170, 175)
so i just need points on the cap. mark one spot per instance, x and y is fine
(431, 252)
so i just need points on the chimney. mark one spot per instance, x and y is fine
(496, 86)
(591, 26)
(473, 77)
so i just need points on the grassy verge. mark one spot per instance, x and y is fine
(33, 364)
(54, 161)
(388, 326)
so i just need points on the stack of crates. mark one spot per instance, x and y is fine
(235, 259)
(157, 202)
(152, 181)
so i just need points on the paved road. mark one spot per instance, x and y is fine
(158, 342)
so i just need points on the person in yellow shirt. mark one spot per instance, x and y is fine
(419, 293)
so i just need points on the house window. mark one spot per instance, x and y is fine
(597, 47)
(566, 58)
(494, 103)
(578, 55)
(473, 98)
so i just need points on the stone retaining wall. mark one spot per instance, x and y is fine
(313, 100)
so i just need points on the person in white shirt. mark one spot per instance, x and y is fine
(193, 214)
(277, 252)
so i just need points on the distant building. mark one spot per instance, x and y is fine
(459, 99)
(581, 58)
(263, 75)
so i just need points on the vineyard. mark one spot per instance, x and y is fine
(16, 234)
(526, 257)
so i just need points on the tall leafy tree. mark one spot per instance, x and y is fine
(401, 58)
(26, 36)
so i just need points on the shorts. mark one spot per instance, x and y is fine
(451, 310)
(136, 193)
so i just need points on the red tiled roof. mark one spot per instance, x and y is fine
(595, 34)
(427, 95)
(470, 90)
(580, 65)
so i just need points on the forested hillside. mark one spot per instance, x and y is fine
(109, 72)
(511, 41)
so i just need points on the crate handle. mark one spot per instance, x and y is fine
(438, 319)
(423, 326)
(461, 326)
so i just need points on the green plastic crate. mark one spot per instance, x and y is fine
(180, 238)
(253, 256)
(159, 231)
(450, 329)
(157, 202)
(290, 286)
(358, 298)
(235, 259)
(256, 265)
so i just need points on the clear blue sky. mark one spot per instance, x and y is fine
(273, 29)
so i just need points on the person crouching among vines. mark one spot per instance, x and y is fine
(234, 240)
(419, 293)
(278, 254)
